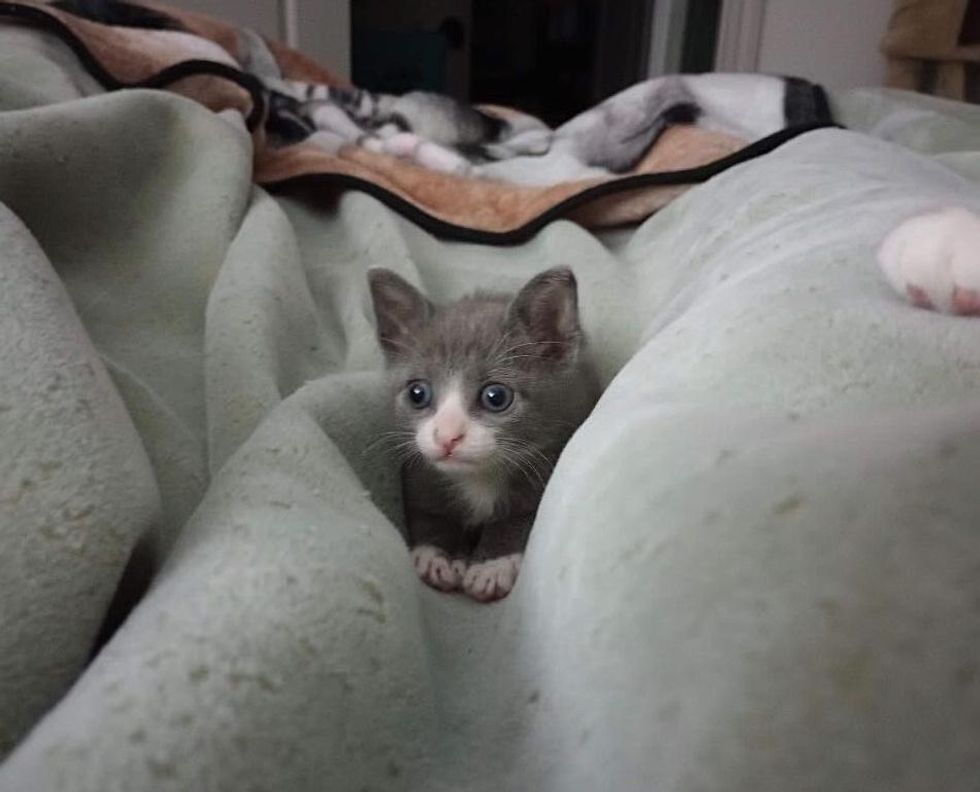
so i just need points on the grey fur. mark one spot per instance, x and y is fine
(531, 342)
(616, 134)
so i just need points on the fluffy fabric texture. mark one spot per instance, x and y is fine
(478, 173)
(755, 567)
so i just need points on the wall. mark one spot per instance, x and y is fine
(426, 15)
(324, 25)
(834, 42)
(324, 33)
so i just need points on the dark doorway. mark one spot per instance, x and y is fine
(552, 58)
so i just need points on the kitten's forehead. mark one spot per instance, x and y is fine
(468, 334)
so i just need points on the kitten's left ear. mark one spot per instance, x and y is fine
(547, 310)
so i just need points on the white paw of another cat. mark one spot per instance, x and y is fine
(436, 568)
(493, 579)
(406, 145)
(934, 260)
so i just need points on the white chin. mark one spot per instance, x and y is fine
(456, 465)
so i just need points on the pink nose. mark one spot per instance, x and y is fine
(449, 444)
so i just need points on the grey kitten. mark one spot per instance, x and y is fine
(487, 390)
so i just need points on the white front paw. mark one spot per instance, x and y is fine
(934, 260)
(402, 144)
(493, 579)
(436, 568)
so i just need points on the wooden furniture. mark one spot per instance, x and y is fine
(933, 46)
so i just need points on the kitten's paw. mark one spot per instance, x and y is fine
(459, 567)
(493, 579)
(436, 568)
(934, 260)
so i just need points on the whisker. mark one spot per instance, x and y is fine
(523, 455)
(403, 345)
(535, 451)
(518, 461)
(533, 343)
(388, 438)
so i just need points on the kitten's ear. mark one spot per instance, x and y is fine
(547, 310)
(400, 310)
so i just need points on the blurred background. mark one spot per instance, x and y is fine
(557, 57)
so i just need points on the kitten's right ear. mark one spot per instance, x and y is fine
(399, 308)
(547, 310)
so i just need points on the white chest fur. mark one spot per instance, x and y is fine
(480, 495)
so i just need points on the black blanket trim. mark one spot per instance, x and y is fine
(805, 102)
(191, 68)
(516, 236)
(411, 211)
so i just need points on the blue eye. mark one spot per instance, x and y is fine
(496, 398)
(419, 394)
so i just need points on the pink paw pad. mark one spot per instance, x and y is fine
(966, 302)
(918, 297)
(934, 260)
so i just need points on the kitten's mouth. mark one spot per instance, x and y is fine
(453, 463)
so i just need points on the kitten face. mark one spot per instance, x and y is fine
(475, 383)
(461, 430)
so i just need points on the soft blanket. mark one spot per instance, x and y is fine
(478, 173)
(754, 569)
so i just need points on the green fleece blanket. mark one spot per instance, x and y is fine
(757, 566)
